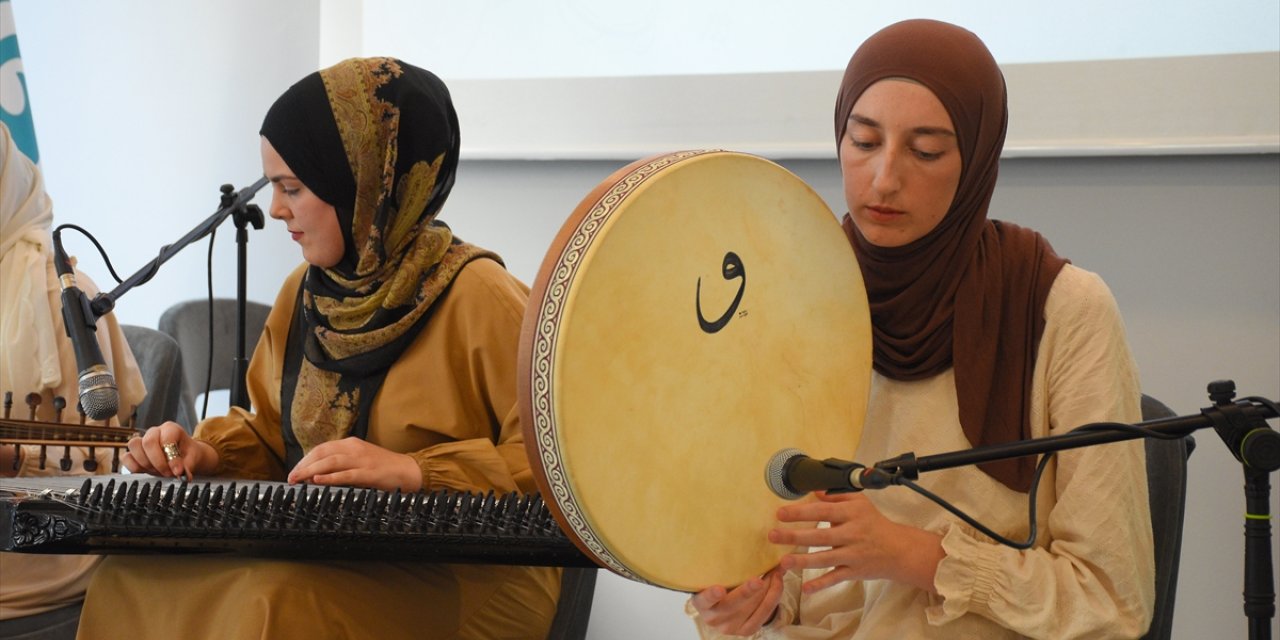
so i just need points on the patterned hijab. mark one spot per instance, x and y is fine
(970, 293)
(378, 139)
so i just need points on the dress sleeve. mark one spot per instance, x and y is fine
(250, 445)
(481, 330)
(454, 387)
(1095, 577)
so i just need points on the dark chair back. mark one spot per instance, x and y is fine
(577, 589)
(160, 361)
(1167, 493)
(188, 323)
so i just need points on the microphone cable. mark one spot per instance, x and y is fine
(1035, 483)
(208, 362)
(101, 252)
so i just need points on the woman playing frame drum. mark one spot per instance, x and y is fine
(982, 335)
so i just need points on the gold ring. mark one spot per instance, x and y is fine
(171, 451)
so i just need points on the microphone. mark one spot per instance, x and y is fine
(98, 395)
(791, 474)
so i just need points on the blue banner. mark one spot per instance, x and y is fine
(15, 108)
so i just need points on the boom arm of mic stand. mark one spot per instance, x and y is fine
(103, 303)
(908, 466)
(1241, 425)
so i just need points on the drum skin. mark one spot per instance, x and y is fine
(698, 312)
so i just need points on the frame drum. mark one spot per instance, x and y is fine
(698, 312)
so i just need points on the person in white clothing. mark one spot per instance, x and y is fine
(42, 594)
(981, 335)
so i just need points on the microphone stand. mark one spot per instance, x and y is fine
(236, 205)
(1241, 425)
(242, 216)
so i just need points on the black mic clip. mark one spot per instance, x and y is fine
(243, 215)
(887, 473)
(1243, 427)
(845, 469)
(101, 305)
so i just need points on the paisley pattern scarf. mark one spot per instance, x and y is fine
(378, 139)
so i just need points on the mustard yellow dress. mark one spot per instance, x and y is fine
(450, 402)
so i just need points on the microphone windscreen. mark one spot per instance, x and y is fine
(775, 474)
(98, 395)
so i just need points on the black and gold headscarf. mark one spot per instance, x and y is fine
(378, 139)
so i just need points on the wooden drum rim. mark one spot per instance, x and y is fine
(561, 313)
(536, 350)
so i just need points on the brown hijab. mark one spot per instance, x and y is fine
(970, 293)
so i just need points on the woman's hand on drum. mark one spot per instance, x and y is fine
(169, 451)
(864, 544)
(742, 610)
(358, 463)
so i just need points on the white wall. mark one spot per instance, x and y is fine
(584, 38)
(143, 108)
(717, 74)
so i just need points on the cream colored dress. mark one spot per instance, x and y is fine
(450, 402)
(1091, 573)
